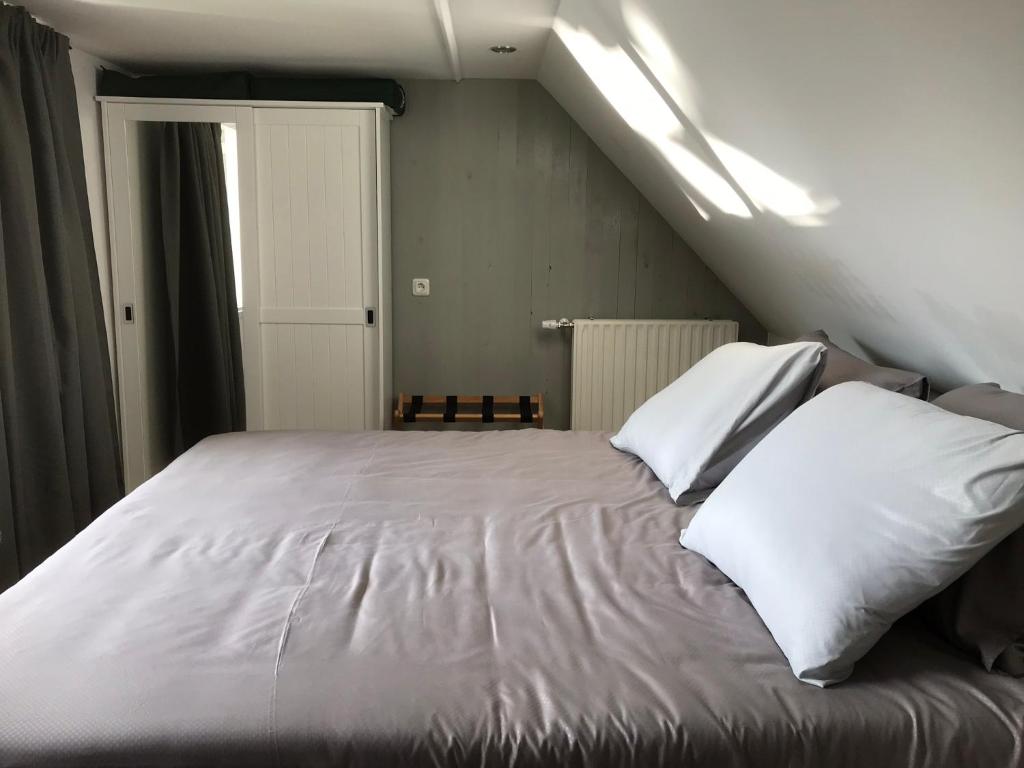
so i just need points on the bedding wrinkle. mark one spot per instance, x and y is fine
(1014, 724)
(573, 589)
(286, 629)
(661, 701)
(361, 583)
(355, 597)
(492, 623)
(298, 598)
(917, 747)
(500, 702)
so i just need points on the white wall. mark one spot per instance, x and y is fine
(859, 164)
(86, 72)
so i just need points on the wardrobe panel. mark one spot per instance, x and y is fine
(316, 194)
(317, 171)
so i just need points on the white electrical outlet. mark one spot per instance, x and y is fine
(420, 286)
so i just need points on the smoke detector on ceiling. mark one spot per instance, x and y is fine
(503, 49)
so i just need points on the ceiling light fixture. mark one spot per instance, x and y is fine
(503, 49)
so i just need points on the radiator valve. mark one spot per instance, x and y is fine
(552, 325)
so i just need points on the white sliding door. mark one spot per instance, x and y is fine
(146, 376)
(318, 293)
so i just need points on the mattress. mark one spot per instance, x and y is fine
(435, 599)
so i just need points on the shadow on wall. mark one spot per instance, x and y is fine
(716, 177)
(978, 330)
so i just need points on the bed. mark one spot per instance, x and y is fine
(498, 598)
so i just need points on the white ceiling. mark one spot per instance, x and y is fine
(385, 38)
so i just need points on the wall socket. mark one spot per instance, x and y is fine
(420, 286)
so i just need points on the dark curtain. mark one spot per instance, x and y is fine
(60, 463)
(206, 343)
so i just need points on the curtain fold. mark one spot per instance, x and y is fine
(206, 341)
(60, 463)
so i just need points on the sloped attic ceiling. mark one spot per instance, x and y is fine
(853, 166)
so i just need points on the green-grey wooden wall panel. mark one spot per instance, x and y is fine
(516, 216)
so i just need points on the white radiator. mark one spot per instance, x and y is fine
(618, 364)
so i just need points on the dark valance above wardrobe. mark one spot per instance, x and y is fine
(245, 87)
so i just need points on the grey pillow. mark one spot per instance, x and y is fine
(842, 366)
(852, 512)
(985, 401)
(983, 612)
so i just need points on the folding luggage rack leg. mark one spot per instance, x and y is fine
(472, 409)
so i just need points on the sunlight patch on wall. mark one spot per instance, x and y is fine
(770, 190)
(621, 82)
(697, 207)
(632, 93)
(637, 101)
(661, 59)
(704, 179)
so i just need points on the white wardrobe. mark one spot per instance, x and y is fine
(311, 188)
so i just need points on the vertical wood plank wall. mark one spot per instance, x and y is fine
(514, 214)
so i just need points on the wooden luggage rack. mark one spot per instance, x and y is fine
(479, 409)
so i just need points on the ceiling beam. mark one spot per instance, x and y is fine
(443, 9)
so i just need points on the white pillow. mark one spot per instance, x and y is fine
(693, 432)
(858, 507)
